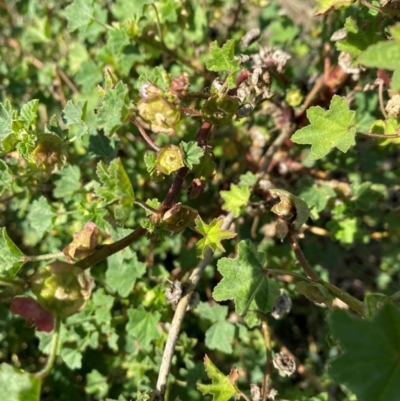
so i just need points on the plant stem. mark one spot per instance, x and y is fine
(107, 250)
(180, 311)
(380, 136)
(268, 366)
(349, 300)
(300, 256)
(174, 190)
(146, 207)
(38, 258)
(53, 351)
(380, 96)
(353, 303)
(158, 24)
(144, 134)
(278, 272)
(16, 285)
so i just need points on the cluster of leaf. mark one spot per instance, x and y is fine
(79, 81)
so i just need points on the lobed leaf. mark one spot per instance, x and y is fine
(328, 128)
(245, 280)
(222, 389)
(213, 235)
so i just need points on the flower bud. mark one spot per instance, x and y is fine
(294, 98)
(48, 155)
(169, 159)
(61, 288)
(178, 217)
(220, 109)
(161, 114)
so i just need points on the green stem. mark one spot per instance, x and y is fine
(146, 207)
(37, 258)
(395, 296)
(158, 24)
(11, 282)
(279, 272)
(353, 303)
(53, 351)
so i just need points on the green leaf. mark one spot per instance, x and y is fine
(40, 216)
(245, 280)
(114, 111)
(317, 196)
(345, 230)
(248, 179)
(168, 10)
(235, 199)
(116, 188)
(193, 153)
(326, 6)
(357, 39)
(103, 303)
(88, 76)
(214, 313)
(68, 184)
(26, 145)
(28, 114)
(213, 235)
(221, 388)
(124, 9)
(11, 257)
(122, 274)
(96, 384)
(328, 129)
(75, 114)
(79, 14)
(385, 55)
(223, 59)
(6, 120)
(17, 385)
(220, 335)
(6, 177)
(71, 357)
(150, 159)
(370, 349)
(143, 325)
(117, 39)
(157, 76)
(102, 146)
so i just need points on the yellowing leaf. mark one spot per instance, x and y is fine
(221, 388)
(328, 128)
(235, 199)
(213, 235)
(326, 6)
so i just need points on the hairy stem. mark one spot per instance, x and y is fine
(300, 256)
(53, 351)
(380, 136)
(144, 134)
(349, 300)
(37, 258)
